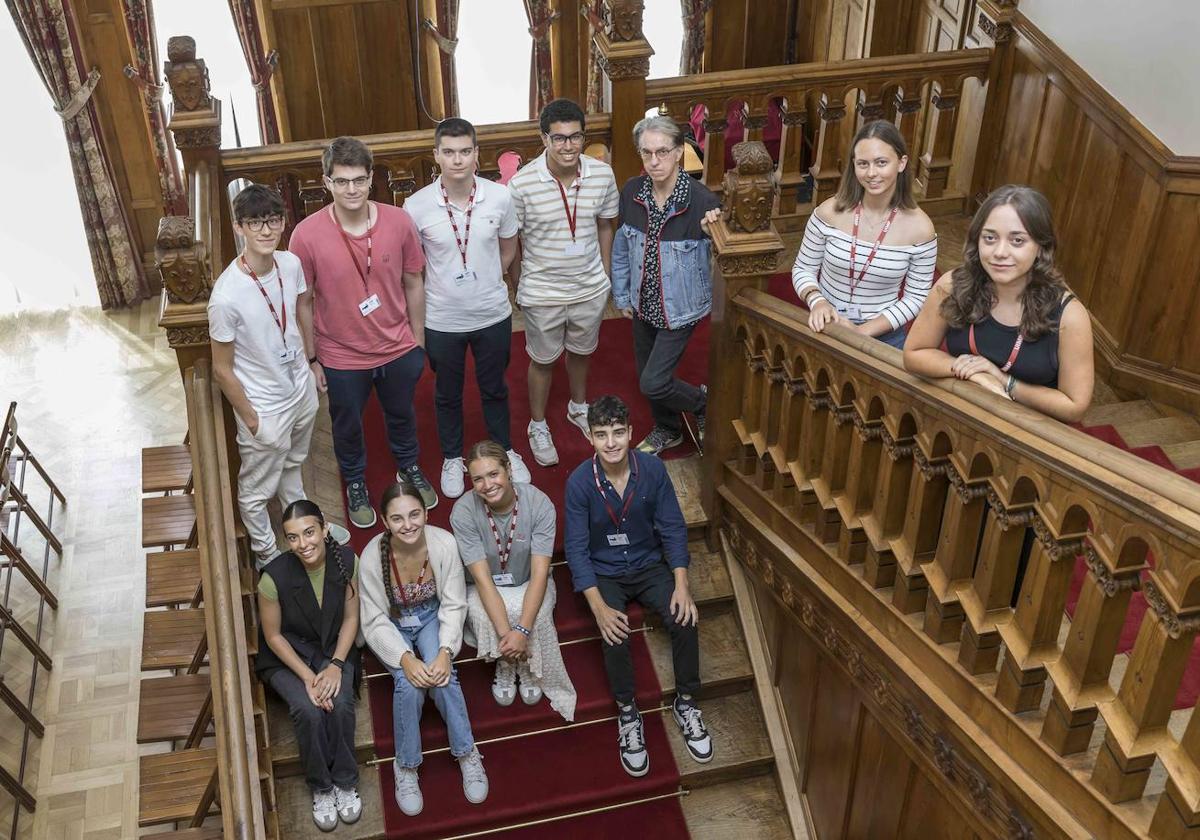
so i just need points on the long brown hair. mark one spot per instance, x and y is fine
(973, 292)
(850, 191)
(393, 492)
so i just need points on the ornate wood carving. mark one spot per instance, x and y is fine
(187, 75)
(182, 261)
(749, 191)
(623, 21)
(178, 337)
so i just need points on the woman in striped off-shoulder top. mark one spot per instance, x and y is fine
(869, 252)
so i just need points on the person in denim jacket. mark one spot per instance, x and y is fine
(661, 277)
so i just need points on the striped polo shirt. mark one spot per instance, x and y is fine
(550, 274)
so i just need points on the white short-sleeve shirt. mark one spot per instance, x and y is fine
(238, 313)
(551, 272)
(457, 301)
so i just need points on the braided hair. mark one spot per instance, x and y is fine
(395, 491)
(333, 549)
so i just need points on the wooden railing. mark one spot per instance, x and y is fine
(951, 522)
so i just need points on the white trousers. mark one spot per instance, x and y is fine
(271, 463)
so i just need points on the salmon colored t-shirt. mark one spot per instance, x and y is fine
(346, 339)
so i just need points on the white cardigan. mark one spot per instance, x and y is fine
(381, 634)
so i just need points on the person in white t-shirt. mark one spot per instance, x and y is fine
(468, 230)
(261, 363)
(567, 206)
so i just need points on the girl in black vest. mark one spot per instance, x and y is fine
(308, 610)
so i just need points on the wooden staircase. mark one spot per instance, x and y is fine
(1142, 422)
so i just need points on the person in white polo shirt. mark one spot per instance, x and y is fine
(260, 362)
(567, 205)
(468, 230)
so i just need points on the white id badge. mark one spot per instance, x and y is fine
(464, 277)
(369, 305)
(410, 622)
(854, 312)
(287, 356)
(575, 249)
(618, 539)
(503, 579)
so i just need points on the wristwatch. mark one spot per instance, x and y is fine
(311, 360)
(341, 666)
(449, 652)
(522, 629)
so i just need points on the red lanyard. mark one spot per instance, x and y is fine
(504, 550)
(854, 245)
(572, 214)
(386, 546)
(350, 250)
(1012, 357)
(282, 305)
(466, 238)
(604, 496)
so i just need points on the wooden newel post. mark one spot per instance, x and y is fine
(625, 58)
(195, 114)
(747, 249)
(187, 279)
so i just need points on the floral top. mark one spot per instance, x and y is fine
(650, 307)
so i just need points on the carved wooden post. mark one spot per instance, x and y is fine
(951, 568)
(1178, 811)
(908, 108)
(791, 152)
(714, 149)
(826, 171)
(862, 473)
(994, 24)
(195, 115)
(747, 249)
(625, 58)
(939, 143)
(886, 518)
(830, 480)
(922, 525)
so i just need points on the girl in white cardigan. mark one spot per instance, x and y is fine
(413, 607)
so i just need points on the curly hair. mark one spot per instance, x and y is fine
(333, 550)
(972, 290)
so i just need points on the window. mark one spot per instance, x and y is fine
(492, 61)
(662, 24)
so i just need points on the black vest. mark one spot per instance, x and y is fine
(311, 630)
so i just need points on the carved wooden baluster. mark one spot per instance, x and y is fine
(790, 425)
(886, 518)
(791, 152)
(908, 103)
(830, 481)
(1147, 695)
(1080, 675)
(869, 106)
(862, 473)
(826, 171)
(922, 525)
(1031, 638)
(312, 195)
(954, 558)
(986, 601)
(939, 144)
(1178, 811)
(812, 446)
(714, 149)
(754, 116)
(401, 184)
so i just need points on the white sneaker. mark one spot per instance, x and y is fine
(577, 414)
(504, 686)
(475, 780)
(520, 472)
(340, 535)
(531, 693)
(325, 811)
(348, 804)
(453, 470)
(542, 445)
(408, 791)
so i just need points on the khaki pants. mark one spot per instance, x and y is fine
(271, 463)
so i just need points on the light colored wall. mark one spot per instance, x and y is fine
(1146, 55)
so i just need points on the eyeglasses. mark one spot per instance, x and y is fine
(656, 154)
(560, 140)
(256, 225)
(342, 183)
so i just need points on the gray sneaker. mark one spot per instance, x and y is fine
(475, 780)
(660, 438)
(324, 810)
(408, 791)
(417, 479)
(358, 503)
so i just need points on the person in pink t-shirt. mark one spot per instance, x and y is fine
(366, 306)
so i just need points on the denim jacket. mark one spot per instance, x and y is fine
(684, 250)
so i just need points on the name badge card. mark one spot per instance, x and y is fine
(288, 356)
(503, 579)
(575, 249)
(467, 275)
(369, 305)
(853, 312)
(410, 622)
(618, 539)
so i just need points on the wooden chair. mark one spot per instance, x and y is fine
(177, 787)
(167, 469)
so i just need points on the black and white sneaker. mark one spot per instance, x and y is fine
(691, 726)
(632, 741)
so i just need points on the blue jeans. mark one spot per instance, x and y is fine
(408, 700)
(895, 338)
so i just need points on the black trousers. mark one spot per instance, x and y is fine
(325, 739)
(491, 347)
(652, 587)
(657, 353)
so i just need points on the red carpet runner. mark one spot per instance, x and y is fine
(555, 772)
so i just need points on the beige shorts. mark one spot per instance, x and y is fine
(573, 326)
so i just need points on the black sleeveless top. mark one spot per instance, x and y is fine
(1037, 363)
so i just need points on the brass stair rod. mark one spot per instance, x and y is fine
(600, 810)
(469, 660)
(563, 728)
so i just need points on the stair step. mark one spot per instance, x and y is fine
(708, 579)
(1161, 431)
(1102, 394)
(724, 663)
(168, 706)
(172, 577)
(1184, 456)
(685, 475)
(167, 520)
(172, 784)
(295, 809)
(750, 808)
(166, 468)
(741, 747)
(285, 755)
(1120, 412)
(170, 637)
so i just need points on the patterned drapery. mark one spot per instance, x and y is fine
(595, 79)
(144, 72)
(691, 56)
(50, 34)
(541, 75)
(447, 24)
(260, 64)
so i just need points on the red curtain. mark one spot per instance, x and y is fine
(50, 34)
(139, 19)
(541, 77)
(691, 56)
(261, 65)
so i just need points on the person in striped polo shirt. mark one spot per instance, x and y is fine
(567, 205)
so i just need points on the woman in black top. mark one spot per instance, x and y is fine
(308, 617)
(1006, 317)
